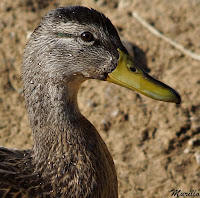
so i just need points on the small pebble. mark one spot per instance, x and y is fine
(28, 34)
(186, 151)
(194, 142)
(105, 125)
(115, 113)
(91, 103)
(197, 157)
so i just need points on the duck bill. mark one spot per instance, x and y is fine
(129, 74)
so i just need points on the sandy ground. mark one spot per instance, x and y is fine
(155, 145)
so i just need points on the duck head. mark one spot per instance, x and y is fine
(76, 43)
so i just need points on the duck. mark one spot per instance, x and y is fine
(69, 159)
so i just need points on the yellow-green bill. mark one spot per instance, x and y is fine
(129, 74)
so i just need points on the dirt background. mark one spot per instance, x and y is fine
(155, 145)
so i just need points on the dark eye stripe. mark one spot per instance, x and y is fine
(61, 35)
(85, 36)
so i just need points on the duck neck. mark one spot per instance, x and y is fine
(68, 150)
(55, 119)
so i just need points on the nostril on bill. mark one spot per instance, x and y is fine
(133, 69)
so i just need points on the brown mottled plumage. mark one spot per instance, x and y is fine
(69, 158)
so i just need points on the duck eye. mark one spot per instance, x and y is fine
(87, 36)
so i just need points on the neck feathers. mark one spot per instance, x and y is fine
(52, 110)
(68, 151)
